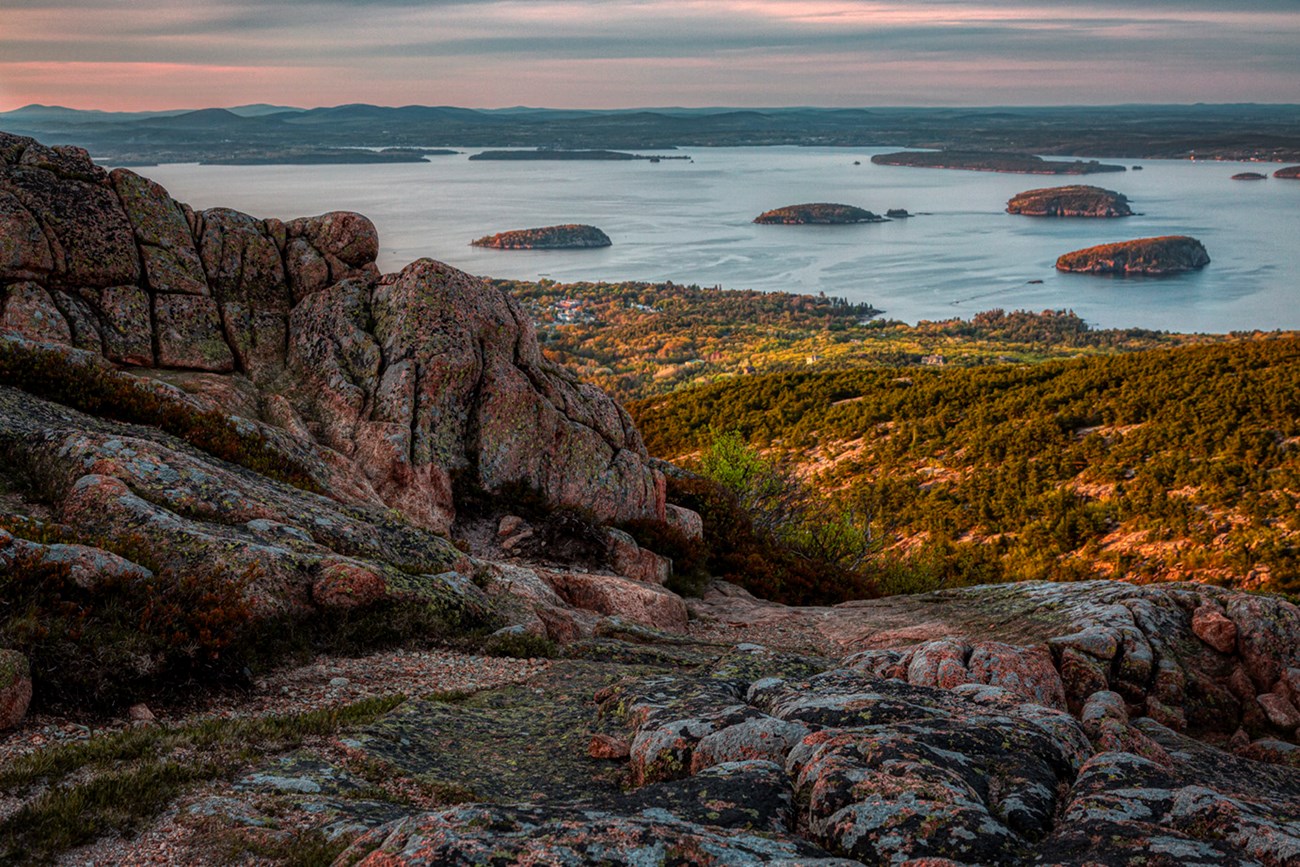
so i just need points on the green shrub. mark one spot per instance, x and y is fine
(519, 645)
(738, 552)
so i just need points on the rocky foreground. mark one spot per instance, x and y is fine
(1170, 254)
(220, 434)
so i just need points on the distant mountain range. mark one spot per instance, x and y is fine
(1246, 131)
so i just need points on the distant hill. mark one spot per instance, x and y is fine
(1206, 131)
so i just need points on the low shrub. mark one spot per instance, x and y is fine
(519, 645)
(739, 552)
(113, 784)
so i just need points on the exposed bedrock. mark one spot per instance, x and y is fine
(394, 385)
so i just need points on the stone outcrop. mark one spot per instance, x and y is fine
(571, 236)
(1169, 254)
(1249, 176)
(1072, 201)
(398, 384)
(885, 771)
(839, 763)
(1200, 659)
(817, 214)
(1289, 173)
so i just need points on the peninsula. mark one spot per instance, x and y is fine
(1169, 254)
(992, 161)
(571, 236)
(1072, 201)
(818, 213)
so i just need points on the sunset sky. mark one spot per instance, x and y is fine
(150, 54)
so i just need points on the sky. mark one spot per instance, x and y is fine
(151, 54)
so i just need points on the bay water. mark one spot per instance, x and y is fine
(691, 222)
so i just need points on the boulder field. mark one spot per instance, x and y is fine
(191, 395)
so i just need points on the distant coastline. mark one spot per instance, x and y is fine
(993, 161)
(549, 154)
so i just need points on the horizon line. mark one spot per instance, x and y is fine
(797, 107)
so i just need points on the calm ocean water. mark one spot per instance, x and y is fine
(689, 222)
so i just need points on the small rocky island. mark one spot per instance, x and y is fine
(992, 161)
(571, 236)
(1072, 201)
(1169, 254)
(1249, 176)
(1291, 173)
(817, 214)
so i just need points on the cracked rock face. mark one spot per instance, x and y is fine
(397, 384)
(887, 772)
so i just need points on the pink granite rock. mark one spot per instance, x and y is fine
(1280, 711)
(190, 334)
(1213, 627)
(24, 250)
(167, 250)
(30, 311)
(1268, 636)
(1027, 672)
(127, 325)
(686, 522)
(635, 562)
(636, 601)
(346, 585)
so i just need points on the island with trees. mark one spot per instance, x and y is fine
(1072, 201)
(1169, 254)
(992, 161)
(571, 236)
(819, 214)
